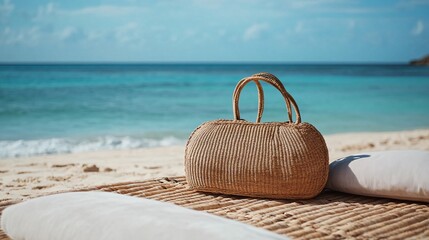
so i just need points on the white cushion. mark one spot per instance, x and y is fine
(101, 215)
(402, 174)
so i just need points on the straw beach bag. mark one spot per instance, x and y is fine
(274, 159)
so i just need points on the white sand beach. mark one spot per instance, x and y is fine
(26, 177)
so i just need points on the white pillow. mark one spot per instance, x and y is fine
(402, 174)
(101, 215)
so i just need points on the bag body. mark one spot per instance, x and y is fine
(285, 160)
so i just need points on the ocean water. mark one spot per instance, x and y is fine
(48, 109)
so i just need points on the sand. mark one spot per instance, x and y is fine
(25, 177)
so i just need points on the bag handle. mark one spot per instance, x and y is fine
(277, 81)
(260, 98)
(274, 81)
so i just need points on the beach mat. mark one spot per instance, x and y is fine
(331, 215)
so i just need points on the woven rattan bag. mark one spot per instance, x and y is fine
(275, 159)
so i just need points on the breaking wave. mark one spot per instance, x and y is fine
(20, 148)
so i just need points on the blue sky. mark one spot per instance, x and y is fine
(214, 31)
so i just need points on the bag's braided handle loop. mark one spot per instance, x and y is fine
(260, 98)
(280, 85)
(274, 81)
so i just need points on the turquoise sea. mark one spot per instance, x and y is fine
(60, 108)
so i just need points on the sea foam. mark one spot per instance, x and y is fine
(20, 148)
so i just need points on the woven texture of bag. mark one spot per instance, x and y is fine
(274, 160)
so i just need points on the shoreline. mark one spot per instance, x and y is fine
(26, 177)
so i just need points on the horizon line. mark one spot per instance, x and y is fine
(198, 63)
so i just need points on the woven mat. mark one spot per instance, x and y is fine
(331, 215)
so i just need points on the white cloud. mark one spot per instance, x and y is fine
(333, 6)
(254, 31)
(6, 8)
(67, 33)
(351, 24)
(221, 32)
(353, 10)
(105, 10)
(95, 35)
(210, 4)
(127, 33)
(70, 34)
(46, 10)
(51, 9)
(311, 3)
(299, 27)
(28, 36)
(418, 28)
(412, 3)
